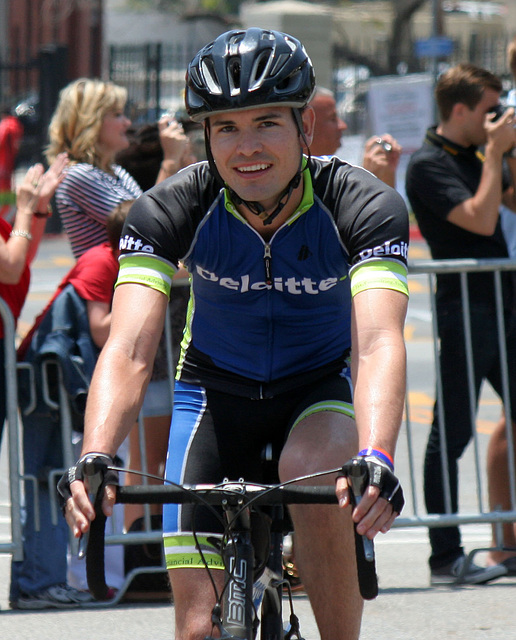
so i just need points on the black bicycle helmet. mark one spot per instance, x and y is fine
(245, 69)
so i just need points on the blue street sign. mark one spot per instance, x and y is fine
(434, 47)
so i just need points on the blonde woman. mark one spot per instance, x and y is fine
(90, 125)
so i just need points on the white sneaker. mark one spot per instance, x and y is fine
(452, 573)
(58, 596)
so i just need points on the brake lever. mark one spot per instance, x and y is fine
(358, 479)
(94, 473)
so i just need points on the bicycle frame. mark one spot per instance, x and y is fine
(240, 613)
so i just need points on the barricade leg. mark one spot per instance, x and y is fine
(15, 546)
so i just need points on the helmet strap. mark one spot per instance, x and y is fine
(209, 154)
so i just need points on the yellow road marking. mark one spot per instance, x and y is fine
(416, 286)
(418, 252)
(56, 261)
(408, 331)
(421, 406)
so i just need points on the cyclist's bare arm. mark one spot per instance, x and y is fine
(118, 386)
(378, 369)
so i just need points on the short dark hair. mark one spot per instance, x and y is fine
(465, 84)
(143, 157)
(115, 222)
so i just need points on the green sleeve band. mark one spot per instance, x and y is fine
(147, 270)
(379, 274)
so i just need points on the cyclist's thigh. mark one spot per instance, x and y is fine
(192, 448)
(333, 393)
(216, 435)
(323, 432)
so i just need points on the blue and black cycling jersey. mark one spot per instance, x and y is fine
(267, 314)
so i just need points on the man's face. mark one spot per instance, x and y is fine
(474, 119)
(257, 152)
(328, 126)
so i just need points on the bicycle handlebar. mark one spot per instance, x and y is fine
(213, 495)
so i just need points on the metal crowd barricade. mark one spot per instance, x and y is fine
(431, 268)
(51, 367)
(15, 546)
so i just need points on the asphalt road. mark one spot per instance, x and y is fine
(407, 608)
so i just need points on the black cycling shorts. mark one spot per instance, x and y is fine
(217, 435)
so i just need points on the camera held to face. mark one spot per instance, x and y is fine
(498, 110)
(386, 146)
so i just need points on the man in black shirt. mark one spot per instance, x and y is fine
(455, 192)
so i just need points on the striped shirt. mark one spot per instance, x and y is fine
(86, 197)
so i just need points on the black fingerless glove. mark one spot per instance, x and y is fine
(379, 475)
(102, 463)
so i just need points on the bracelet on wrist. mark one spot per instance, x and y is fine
(378, 453)
(21, 234)
(43, 214)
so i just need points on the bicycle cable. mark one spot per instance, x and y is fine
(226, 536)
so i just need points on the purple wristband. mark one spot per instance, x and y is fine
(378, 453)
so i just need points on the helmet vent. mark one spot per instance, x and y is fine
(291, 83)
(290, 43)
(234, 42)
(282, 59)
(267, 35)
(234, 69)
(210, 76)
(260, 70)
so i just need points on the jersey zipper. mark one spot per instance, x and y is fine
(267, 262)
(267, 259)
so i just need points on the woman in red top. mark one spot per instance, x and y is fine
(19, 244)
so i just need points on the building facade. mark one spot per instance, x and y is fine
(72, 29)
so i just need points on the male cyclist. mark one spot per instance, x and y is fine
(296, 264)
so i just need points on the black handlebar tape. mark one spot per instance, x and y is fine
(95, 567)
(366, 568)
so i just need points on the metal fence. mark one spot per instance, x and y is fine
(14, 546)
(154, 75)
(479, 512)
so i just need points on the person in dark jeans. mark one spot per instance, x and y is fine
(455, 192)
(71, 330)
